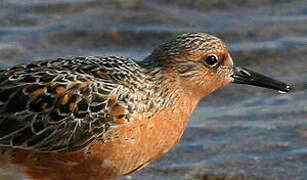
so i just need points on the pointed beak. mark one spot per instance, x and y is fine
(246, 76)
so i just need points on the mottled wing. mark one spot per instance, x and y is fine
(54, 105)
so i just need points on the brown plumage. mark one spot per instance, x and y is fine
(103, 117)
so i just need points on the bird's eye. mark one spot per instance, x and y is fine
(211, 60)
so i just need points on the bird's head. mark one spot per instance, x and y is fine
(201, 63)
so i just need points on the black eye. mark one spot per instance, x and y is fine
(211, 60)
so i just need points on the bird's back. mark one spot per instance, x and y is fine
(62, 104)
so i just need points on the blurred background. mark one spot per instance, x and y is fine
(238, 132)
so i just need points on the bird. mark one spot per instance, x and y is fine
(101, 117)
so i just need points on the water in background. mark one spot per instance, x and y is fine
(238, 132)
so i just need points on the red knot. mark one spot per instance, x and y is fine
(98, 117)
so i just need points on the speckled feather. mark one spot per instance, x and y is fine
(63, 104)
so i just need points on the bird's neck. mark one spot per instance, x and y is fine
(164, 74)
(169, 91)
